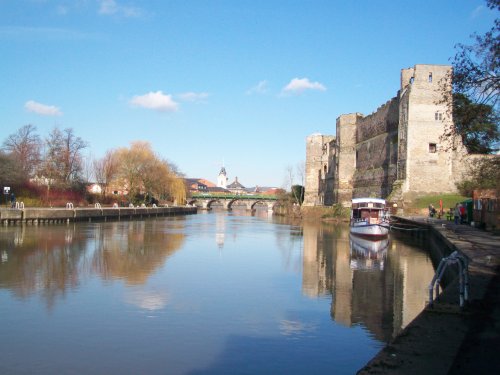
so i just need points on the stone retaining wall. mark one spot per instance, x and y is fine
(58, 215)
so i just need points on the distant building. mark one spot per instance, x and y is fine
(236, 188)
(222, 178)
(195, 185)
(486, 209)
(94, 188)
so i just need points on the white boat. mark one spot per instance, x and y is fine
(368, 253)
(367, 247)
(369, 218)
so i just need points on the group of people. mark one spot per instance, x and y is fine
(459, 213)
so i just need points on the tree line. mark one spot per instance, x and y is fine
(57, 164)
(474, 104)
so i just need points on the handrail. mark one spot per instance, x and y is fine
(234, 196)
(463, 268)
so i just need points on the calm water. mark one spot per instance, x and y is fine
(213, 293)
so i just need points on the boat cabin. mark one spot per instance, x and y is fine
(370, 210)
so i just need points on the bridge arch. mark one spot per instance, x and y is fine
(205, 201)
(270, 205)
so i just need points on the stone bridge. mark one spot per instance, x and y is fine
(204, 201)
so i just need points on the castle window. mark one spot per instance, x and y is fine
(438, 116)
(411, 80)
(430, 77)
(432, 148)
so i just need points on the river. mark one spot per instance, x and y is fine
(212, 293)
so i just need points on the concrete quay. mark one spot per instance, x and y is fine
(62, 215)
(444, 338)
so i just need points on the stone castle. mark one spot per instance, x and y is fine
(397, 152)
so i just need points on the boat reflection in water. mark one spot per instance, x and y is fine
(367, 254)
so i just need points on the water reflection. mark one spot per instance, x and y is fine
(367, 253)
(133, 250)
(245, 292)
(51, 261)
(379, 285)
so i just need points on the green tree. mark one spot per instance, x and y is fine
(476, 89)
(298, 194)
(477, 124)
(485, 174)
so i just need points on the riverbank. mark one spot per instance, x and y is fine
(60, 215)
(447, 339)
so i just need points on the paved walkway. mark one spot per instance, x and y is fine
(446, 339)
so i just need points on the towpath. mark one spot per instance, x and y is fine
(446, 339)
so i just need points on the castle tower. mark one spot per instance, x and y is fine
(346, 159)
(222, 178)
(318, 148)
(426, 161)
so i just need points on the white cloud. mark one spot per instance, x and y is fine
(146, 300)
(155, 100)
(477, 11)
(42, 109)
(297, 85)
(193, 96)
(111, 7)
(260, 88)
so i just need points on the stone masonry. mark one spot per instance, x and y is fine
(398, 152)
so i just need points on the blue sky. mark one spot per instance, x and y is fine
(206, 82)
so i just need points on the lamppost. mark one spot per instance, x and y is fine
(6, 191)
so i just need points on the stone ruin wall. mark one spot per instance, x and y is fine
(377, 151)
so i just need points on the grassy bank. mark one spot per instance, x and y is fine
(449, 200)
(334, 213)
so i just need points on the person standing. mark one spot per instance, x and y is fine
(432, 210)
(463, 216)
(456, 213)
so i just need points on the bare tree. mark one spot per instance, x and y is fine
(105, 170)
(24, 146)
(63, 156)
(72, 155)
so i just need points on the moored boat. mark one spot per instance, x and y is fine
(369, 218)
(368, 253)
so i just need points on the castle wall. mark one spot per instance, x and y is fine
(399, 151)
(376, 151)
(346, 157)
(318, 150)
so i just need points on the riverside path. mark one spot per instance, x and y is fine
(446, 339)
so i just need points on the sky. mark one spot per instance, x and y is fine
(239, 83)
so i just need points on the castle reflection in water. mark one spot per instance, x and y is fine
(380, 288)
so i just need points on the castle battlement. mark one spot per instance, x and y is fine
(397, 147)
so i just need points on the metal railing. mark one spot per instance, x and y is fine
(463, 274)
(233, 196)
